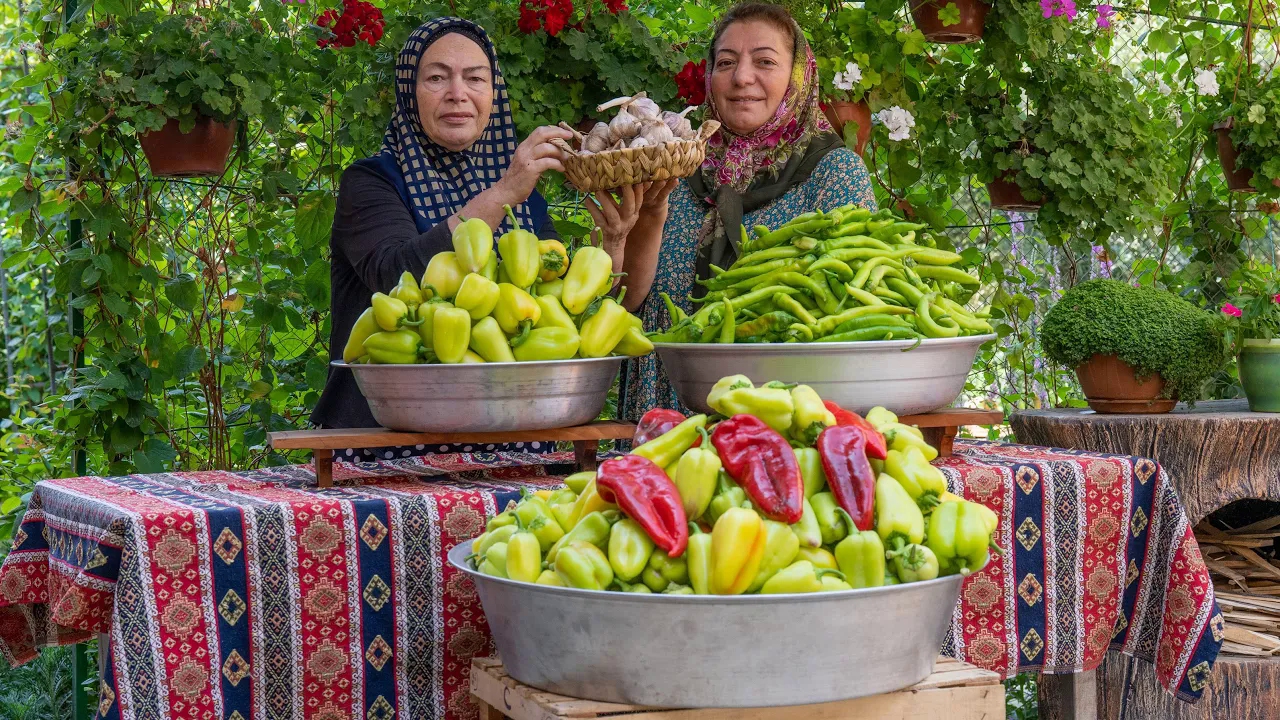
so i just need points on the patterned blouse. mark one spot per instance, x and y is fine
(840, 178)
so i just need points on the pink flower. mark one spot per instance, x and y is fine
(1104, 16)
(1232, 310)
(1277, 298)
(1053, 8)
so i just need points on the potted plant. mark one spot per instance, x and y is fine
(1249, 137)
(1134, 349)
(862, 61)
(1004, 124)
(179, 83)
(1252, 329)
(950, 22)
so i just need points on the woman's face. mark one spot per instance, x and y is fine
(455, 91)
(750, 75)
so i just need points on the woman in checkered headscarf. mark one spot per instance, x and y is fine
(450, 150)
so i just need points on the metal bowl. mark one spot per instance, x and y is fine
(688, 651)
(486, 397)
(900, 375)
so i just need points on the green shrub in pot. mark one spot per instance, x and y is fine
(1150, 330)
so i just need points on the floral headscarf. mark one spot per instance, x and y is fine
(735, 160)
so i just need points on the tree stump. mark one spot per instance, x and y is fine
(1216, 453)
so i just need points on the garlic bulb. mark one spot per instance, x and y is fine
(645, 109)
(598, 139)
(656, 133)
(624, 125)
(639, 142)
(679, 124)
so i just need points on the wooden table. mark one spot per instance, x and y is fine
(322, 443)
(939, 427)
(1215, 454)
(955, 690)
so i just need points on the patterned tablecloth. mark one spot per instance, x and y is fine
(254, 595)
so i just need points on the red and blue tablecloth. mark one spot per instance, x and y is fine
(255, 595)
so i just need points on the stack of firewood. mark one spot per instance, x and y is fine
(1245, 568)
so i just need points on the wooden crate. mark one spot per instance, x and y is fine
(955, 691)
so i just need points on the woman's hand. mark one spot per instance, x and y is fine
(533, 157)
(657, 194)
(615, 219)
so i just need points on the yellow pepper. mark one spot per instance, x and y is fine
(365, 326)
(477, 295)
(451, 334)
(443, 276)
(820, 557)
(516, 310)
(589, 271)
(555, 260)
(519, 250)
(473, 244)
(781, 546)
(553, 314)
(737, 547)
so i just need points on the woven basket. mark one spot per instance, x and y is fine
(612, 169)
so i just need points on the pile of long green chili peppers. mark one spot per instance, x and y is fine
(840, 276)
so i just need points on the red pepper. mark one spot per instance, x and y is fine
(645, 493)
(849, 475)
(764, 464)
(657, 422)
(876, 446)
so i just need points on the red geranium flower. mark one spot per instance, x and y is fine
(557, 16)
(691, 83)
(615, 6)
(358, 20)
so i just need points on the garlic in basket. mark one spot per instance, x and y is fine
(639, 122)
(679, 124)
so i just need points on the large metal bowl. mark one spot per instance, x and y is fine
(900, 375)
(685, 651)
(486, 397)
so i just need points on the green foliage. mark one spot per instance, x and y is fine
(1256, 298)
(1255, 109)
(1151, 330)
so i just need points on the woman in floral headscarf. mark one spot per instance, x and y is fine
(774, 158)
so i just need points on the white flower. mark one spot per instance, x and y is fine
(898, 121)
(852, 72)
(1177, 118)
(1207, 82)
(841, 82)
(1257, 114)
(1164, 88)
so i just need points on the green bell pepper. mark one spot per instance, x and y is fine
(497, 558)
(473, 244)
(728, 496)
(861, 558)
(524, 557)
(587, 278)
(807, 530)
(667, 448)
(519, 251)
(535, 515)
(810, 417)
(780, 548)
(593, 528)
(898, 518)
(401, 347)
(553, 314)
(830, 524)
(914, 563)
(603, 329)
(489, 343)
(958, 535)
(736, 395)
(391, 314)
(546, 343)
(584, 566)
(639, 588)
(517, 311)
(663, 570)
(798, 577)
(443, 276)
(922, 481)
(696, 477)
(451, 334)
(477, 295)
(815, 478)
(820, 557)
(549, 577)
(407, 290)
(629, 549)
(578, 481)
(365, 326)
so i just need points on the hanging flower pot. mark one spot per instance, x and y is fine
(1111, 386)
(203, 151)
(1007, 195)
(932, 17)
(839, 112)
(1239, 178)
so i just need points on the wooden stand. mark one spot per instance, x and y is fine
(322, 443)
(940, 426)
(1215, 454)
(939, 429)
(955, 690)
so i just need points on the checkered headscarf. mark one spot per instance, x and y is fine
(441, 181)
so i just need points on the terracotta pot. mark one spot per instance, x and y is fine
(973, 15)
(1111, 386)
(1007, 195)
(203, 151)
(839, 112)
(1238, 178)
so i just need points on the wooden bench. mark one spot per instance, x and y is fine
(955, 691)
